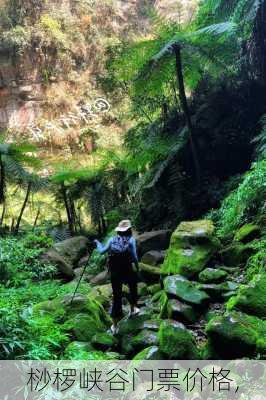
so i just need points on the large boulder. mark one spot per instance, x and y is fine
(86, 319)
(154, 240)
(183, 289)
(176, 342)
(73, 249)
(192, 246)
(251, 298)
(83, 327)
(236, 335)
(64, 269)
(153, 257)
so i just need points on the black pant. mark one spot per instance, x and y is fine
(130, 278)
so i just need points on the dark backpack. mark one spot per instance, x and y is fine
(119, 252)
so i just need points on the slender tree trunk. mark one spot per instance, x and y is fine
(12, 225)
(73, 214)
(3, 214)
(184, 103)
(2, 181)
(68, 211)
(23, 208)
(36, 218)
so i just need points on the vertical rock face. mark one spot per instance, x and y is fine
(27, 75)
(21, 91)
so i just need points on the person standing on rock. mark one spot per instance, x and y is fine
(122, 254)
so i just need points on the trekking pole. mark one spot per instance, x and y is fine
(80, 278)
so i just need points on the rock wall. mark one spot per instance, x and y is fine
(22, 86)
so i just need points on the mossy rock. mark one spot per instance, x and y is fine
(142, 289)
(156, 297)
(237, 335)
(113, 355)
(51, 307)
(134, 344)
(185, 290)
(251, 298)
(102, 294)
(236, 254)
(176, 342)
(216, 291)
(151, 325)
(181, 312)
(85, 326)
(150, 353)
(104, 341)
(212, 275)
(133, 324)
(149, 273)
(192, 245)
(152, 289)
(207, 352)
(247, 233)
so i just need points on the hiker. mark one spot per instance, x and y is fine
(122, 253)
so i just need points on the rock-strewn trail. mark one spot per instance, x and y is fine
(193, 304)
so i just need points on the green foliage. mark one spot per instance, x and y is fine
(260, 140)
(53, 29)
(245, 203)
(20, 259)
(16, 39)
(256, 263)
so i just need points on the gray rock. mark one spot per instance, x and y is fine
(73, 249)
(65, 270)
(148, 241)
(100, 279)
(182, 312)
(153, 257)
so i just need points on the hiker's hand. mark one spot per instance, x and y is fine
(95, 242)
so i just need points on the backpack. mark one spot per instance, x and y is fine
(119, 252)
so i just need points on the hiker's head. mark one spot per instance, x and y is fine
(126, 233)
(124, 228)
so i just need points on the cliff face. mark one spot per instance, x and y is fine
(52, 51)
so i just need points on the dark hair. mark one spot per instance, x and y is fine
(126, 233)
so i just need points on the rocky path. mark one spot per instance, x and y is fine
(193, 304)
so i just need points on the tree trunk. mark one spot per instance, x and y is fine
(2, 181)
(36, 218)
(185, 108)
(3, 214)
(23, 208)
(68, 211)
(73, 214)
